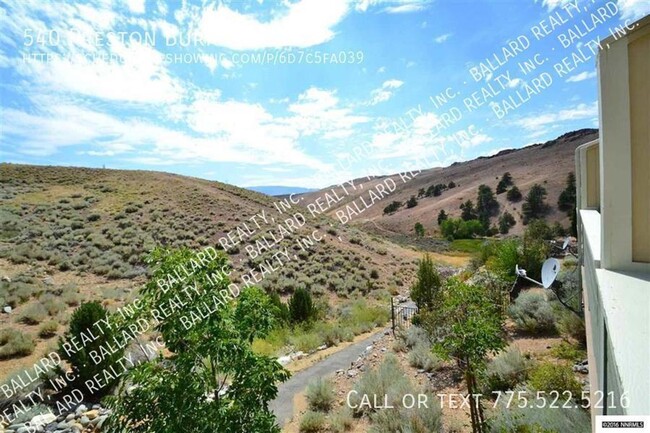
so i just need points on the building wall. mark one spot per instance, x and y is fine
(639, 56)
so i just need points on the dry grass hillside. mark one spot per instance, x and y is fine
(545, 163)
(74, 234)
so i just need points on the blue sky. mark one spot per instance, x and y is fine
(346, 88)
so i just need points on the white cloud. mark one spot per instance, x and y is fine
(137, 74)
(633, 9)
(317, 111)
(552, 4)
(385, 92)
(544, 120)
(442, 38)
(381, 69)
(136, 6)
(473, 140)
(581, 76)
(305, 24)
(392, 6)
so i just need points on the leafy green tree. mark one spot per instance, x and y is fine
(427, 284)
(534, 206)
(419, 230)
(467, 326)
(301, 306)
(451, 184)
(567, 202)
(442, 216)
(538, 230)
(282, 310)
(421, 192)
(504, 183)
(392, 207)
(486, 205)
(90, 318)
(212, 380)
(468, 211)
(514, 195)
(558, 230)
(412, 202)
(506, 222)
(567, 199)
(456, 228)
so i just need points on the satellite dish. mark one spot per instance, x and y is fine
(520, 272)
(550, 269)
(566, 243)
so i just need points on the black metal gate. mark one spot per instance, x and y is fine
(402, 315)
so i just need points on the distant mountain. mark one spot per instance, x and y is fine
(544, 163)
(276, 190)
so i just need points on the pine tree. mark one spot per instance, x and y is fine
(535, 207)
(442, 216)
(425, 290)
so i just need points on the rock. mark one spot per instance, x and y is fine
(7, 309)
(84, 421)
(298, 355)
(284, 360)
(70, 417)
(369, 348)
(6, 278)
(323, 347)
(339, 372)
(92, 414)
(80, 409)
(352, 373)
(43, 419)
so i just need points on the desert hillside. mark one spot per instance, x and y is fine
(546, 164)
(74, 234)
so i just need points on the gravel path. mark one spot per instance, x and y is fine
(282, 406)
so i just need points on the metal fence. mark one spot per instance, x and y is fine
(402, 315)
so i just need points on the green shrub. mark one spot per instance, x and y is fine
(320, 395)
(572, 325)
(301, 306)
(33, 314)
(545, 419)
(14, 343)
(568, 351)
(89, 317)
(306, 341)
(502, 258)
(312, 422)
(415, 336)
(52, 304)
(548, 376)
(533, 314)
(505, 371)
(422, 357)
(341, 421)
(48, 329)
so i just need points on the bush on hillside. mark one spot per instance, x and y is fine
(553, 377)
(506, 371)
(14, 343)
(312, 422)
(320, 395)
(533, 314)
(301, 306)
(90, 317)
(545, 419)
